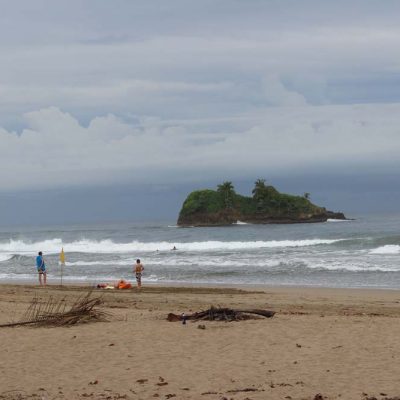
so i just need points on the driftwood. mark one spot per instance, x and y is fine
(221, 314)
(56, 313)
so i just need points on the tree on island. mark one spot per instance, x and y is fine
(259, 189)
(259, 194)
(227, 191)
(224, 206)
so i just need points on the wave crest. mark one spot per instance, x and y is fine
(53, 246)
(387, 249)
(5, 257)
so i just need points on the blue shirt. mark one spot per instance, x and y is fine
(40, 263)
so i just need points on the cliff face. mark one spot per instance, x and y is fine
(267, 206)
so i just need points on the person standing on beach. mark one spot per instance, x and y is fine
(41, 268)
(138, 272)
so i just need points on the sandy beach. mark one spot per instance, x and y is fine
(339, 344)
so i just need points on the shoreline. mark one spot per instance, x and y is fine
(168, 284)
(356, 299)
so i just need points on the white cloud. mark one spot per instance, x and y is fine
(175, 91)
(277, 94)
(167, 74)
(55, 149)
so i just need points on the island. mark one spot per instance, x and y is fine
(266, 206)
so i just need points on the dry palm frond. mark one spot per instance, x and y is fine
(55, 313)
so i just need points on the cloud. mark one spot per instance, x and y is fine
(56, 150)
(179, 91)
(187, 72)
(277, 94)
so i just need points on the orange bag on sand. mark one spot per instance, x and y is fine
(124, 284)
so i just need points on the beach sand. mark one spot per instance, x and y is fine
(341, 344)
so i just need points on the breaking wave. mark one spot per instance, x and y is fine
(229, 266)
(387, 249)
(53, 246)
(5, 257)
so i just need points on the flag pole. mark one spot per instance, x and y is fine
(62, 263)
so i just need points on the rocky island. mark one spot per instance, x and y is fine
(266, 206)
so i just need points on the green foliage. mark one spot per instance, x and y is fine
(266, 202)
(227, 193)
(293, 205)
(266, 198)
(202, 201)
(259, 187)
(246, 205)
(226, 187)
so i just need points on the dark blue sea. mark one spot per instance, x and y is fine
(364, 252)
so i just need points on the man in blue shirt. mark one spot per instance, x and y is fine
(41, 268)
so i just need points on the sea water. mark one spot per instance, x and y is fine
(364, 252)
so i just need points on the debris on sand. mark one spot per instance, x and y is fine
(222, 314)
(244, 390)
(55, 313)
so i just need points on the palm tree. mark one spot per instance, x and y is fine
(227, 191)
(259, 187)
(225, 187)
(259, 194)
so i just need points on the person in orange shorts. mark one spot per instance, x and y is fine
(138, 272)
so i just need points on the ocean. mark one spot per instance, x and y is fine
(364, 252)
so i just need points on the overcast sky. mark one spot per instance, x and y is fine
(164, 96)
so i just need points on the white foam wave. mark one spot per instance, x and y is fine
(90, 263)
(13, 276)
(152, 278)
(387, 249)
(353, 267)
(217, 245)
(53, 246)
(276, 266)
(337, 220)
(5, 257)
(241, 223)
(21, 247)
(184, 262)
(201, 264)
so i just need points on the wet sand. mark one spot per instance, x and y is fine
(341, 344)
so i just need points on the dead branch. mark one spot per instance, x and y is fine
(221, 314)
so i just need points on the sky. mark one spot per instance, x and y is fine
(116, 110)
